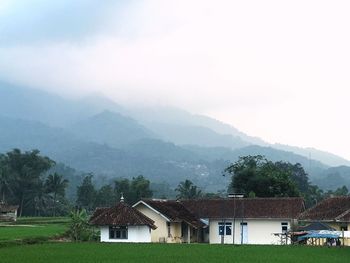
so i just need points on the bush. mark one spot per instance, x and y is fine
(79, 228)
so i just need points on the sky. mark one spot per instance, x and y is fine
(279, 70)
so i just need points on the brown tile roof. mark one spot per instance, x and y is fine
(330, 209)
(8, 208)
(246, 207)
(120, 215)
(175, 211)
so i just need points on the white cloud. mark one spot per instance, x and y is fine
(275, 69)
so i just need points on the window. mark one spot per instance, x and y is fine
(118, 232)
(225, 228)
(284, 227)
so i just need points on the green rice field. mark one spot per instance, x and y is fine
(28, 227)
(33, 240)
(105, 252)
(21, 232)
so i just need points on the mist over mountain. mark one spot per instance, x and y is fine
(97, 135)
(110, 128)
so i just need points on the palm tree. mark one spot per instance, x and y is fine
(187, 190)
(56, 185)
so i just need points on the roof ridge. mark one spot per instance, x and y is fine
(342, 214)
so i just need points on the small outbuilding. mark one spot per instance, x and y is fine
(8, 212)
(122, 223)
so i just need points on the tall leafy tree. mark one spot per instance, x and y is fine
(26, 170)
(40, 199)
(105, 196)
(122, 187)
(86, 193)
(134, 190)
(255, 175)
(56, 185)
(187, 190)
(140, 188)
(5, 181)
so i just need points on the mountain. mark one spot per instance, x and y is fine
(100, 159)
(31, 104)
(313, 167)
(195, 135)
(94, 134)
(110, 128)
(178, 119)
(325, 157)
(333, 178)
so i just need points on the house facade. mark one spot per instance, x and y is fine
(248, 220)
(122, 223)
(334, 212)
(175, 224)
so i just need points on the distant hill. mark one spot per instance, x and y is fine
(96, 135)
(333, 177)
(195, 135)
(110, 128)
(36, 105)
(162, 119)
(325, 157)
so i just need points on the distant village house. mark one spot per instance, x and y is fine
(8, 212)
(122, 223)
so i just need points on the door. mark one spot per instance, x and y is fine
(244, 233)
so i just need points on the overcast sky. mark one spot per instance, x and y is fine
(279, 70)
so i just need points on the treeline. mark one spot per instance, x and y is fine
(257, 176)
(39, 186)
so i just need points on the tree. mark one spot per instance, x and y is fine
(5, 183)
(86, 193)
(26, 170)
(297, 174)
(140, 188)
(56, 185)
(105, 196)
(122, 187)
(187, 190)
(40, 199)
(79, 228)
(134, 190)
(255, 175)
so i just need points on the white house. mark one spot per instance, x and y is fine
(175, 224)
(122, 223)
(248, 220)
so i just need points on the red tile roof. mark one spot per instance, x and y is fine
(175, 211)
(120, 215)
(284, 208)
(330, 209)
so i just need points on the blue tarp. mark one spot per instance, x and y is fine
(318, 235)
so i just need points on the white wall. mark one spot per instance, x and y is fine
(161, 232)
(259, 231)
(136, 234)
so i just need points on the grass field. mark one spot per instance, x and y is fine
(97, 252)
(28, 227)
(20, 232)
